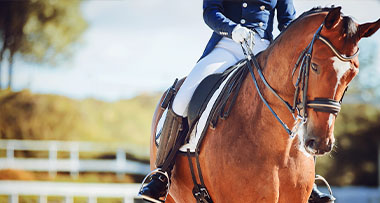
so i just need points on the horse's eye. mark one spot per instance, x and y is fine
(315, 68)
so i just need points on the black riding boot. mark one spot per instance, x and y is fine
(172, 137)
(320, 197)
(156, 188)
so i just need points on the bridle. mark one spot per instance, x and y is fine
(304, 63)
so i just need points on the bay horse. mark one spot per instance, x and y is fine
(249, 157)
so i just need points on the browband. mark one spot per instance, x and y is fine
(336, 52)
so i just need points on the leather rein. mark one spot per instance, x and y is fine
(304, 63)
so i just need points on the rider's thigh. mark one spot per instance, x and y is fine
(215, 62)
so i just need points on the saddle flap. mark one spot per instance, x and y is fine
(202, 95)
(205, 91)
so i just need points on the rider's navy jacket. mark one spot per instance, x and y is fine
(223, 15)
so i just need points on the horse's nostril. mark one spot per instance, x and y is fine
(311, 143)
(329, 146)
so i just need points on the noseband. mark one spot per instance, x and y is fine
(328, 105)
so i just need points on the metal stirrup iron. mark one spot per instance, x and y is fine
(158, 170)
(318, 177)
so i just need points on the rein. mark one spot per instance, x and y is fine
(304, 62)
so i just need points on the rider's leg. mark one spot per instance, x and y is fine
(224, 55)
(172, 135)
(319, 197)
(174, 130)
(215, 62)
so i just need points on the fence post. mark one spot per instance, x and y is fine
(74, 160)
(69, 199)
(10, 153)
(120, 163)
(92, 199)
(13, 198)
(53, 159)
(42, 199)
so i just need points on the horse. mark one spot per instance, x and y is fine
(249, 157)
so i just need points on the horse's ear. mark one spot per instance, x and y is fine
(367, 29)
(332, 18)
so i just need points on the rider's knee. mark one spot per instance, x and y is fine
(180, 106)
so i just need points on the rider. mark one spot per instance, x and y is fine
(232, 21)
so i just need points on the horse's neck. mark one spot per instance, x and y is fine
(277, 63)
(280, 58)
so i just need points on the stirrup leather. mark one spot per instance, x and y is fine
(158, 170)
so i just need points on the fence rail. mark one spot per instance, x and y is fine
(70, 146)
(13, 189)
(74, 164)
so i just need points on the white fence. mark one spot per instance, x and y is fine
(73, 164)
(13, 189)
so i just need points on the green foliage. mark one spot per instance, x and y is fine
(354, 160)
(50, 30)
(50, 117)
(40, 30)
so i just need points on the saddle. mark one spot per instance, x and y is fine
(218, 91)
(207, 88)
(212, 99)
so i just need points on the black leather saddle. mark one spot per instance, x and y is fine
(206, 89)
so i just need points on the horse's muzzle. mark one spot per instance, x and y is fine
(317, 146)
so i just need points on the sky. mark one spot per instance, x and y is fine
(133, 47)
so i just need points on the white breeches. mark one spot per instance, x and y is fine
(225, 54)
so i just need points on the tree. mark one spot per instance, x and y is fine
(40, 31)
(354, 159)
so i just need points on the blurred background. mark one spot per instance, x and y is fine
(79, 82)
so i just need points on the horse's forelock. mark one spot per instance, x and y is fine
(350, 29)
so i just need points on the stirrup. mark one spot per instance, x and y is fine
(157, 170)
(319, 177)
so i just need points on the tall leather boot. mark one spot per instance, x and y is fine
(320, 197)
(171, 138)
